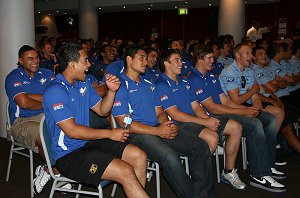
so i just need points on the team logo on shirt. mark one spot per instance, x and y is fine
(117, 103)
(164, 97)
(17, 84)
(82, 91)
(214, 81)
(278, 70)
(43, 80)
(132, 90)
(58, 106)
(260, 75)
(152, 88)
(199, 91)
(187, 87)
(229, 79)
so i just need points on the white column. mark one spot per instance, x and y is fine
(88, 19)
(232, 19)
(17, 29)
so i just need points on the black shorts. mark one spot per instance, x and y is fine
(87, 164)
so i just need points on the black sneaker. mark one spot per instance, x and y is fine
(277, 174)
(267, 183)
(280, 162)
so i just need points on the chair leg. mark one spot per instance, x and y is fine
(9, 161)
(79, 188)
(113, 192)
(244, 153)
(31, 172)
(157, 180)
(100, 191)
(217, 166)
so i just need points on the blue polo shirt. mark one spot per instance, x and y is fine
(173, 93)
(152, 74)
(217, 68)
(18, 81)
(231, 78)
(139, 97)
(47, 64)
(187, 67)
(264, 75)
(115, 68)
(205, 86)
(61, 101)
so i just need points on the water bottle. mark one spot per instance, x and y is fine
(127, 121)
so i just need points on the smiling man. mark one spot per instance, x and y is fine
(67, 117)
(24, 87)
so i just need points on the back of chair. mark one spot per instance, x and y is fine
(46, 143)
(8, 123)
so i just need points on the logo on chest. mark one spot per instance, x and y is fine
(82, 91)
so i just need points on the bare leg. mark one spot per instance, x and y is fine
(277, 112)
(233, 131)
(211, 138)
(123, 173)
(137, 158)
(289, 134)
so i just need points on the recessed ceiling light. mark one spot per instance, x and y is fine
(57, 11)
(149, 8)
(186, 2)
(175, 7)
(124, 7)
(65, 13)
(39, 12)
(99, 8)
(151, 5)
(209, 4)
(49, 14)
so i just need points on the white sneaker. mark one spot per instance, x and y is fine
(233, 179)
(42, 177)
(277, 174)
(267, 183)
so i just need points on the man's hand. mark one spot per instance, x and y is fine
(112, 82)
(255, 87)
(119, 134)
(251, 112)
(167, 130)
(212, 123)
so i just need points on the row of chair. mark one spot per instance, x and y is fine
(153, 167)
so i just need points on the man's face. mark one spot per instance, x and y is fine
(174, 65)
(260, 57)
(245, 56)
(152, 59)
(207, 61)
(48, 49)
(226, 49)
(176, 45)
(108, 54)
(81, 66)
(85, 48)
(216, 51)
(30, 62)
(139, 62)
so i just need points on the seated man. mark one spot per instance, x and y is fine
(271, 86)
(160, 138)
(210, 94)
(67, 117)
(238, 82)
(24, 87)
(171, 88)
(48, 57)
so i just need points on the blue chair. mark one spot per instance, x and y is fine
(60, 181)
(17, 148)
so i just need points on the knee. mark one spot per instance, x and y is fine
(211, 138)
(233, 129)
(137, 154)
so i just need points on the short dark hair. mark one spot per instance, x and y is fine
(24, 49)
(165, 56)
(131, 51)
(69, 52)
(148, 50)
(273, 49)
(200, 51)
(255, 49)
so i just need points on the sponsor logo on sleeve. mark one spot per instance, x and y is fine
(17, 84)
(199, 91)
(164, 97)
(117, 103)
(58, 106)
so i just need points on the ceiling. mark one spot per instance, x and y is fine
(107, 6)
